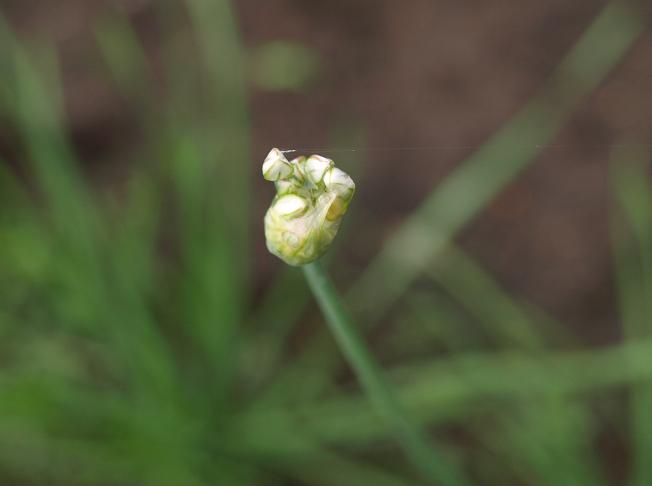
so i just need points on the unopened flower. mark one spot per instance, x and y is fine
(312, 196)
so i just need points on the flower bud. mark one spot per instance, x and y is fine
(339, 182)
(316, 167)
(290, 206)
(276, 166)
(306, 213)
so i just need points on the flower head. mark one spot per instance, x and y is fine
(312, 196)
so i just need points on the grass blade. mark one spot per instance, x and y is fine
(462, 195)
(633, 255)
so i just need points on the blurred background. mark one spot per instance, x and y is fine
(497, 255)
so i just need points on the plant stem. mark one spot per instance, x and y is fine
(413, 441)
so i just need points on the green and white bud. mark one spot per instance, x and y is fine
(284, 187)
(276, 166)
(316, 167)
(304, 217)
(338, 181)
(298, 166)
(290, 206)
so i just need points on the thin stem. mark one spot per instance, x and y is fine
(413, 441)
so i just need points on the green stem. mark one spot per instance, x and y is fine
(413, 441)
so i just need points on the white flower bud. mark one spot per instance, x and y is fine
(276, 166)
(306, 213)
(284, 186)
(290, 206)
(338, 181)
(316, 166)
(298, 166)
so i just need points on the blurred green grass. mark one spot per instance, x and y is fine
(131, 351)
